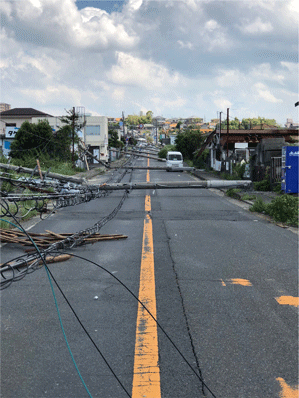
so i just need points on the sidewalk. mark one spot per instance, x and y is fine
(209, 175)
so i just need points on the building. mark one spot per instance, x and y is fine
(94, 134)
(4, 107)
(11, 120)
(241, 144)
(291, 125)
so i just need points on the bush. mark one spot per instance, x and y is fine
(163, 152)
(263, 185)
(277, 188)
(188, 142)
(233, 193)
(259, 206)
(201, 161)
(239, 170)
(248, 197)
(284, 209)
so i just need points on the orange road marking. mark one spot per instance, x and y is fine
(243, 282)
(236, 281)
(288, 300)
(146, 376)
(287, 391)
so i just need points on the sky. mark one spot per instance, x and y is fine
(174, 58)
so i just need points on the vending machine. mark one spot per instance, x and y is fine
(289, 169)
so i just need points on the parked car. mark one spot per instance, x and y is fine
(174, 160)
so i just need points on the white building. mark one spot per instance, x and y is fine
(94, 134)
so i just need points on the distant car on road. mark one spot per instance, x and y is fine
(174, 160)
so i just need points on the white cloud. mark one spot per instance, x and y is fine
(292, 67)
(118, 94)
(264, 93)
(264, 71)
(51, 93)
(134, 71)
(187, 44)
(59, 24)
(229, 78)
(222, 103)
(211, 25)
(176, 58)
(258, 26)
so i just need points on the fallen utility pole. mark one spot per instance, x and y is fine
(136, 153)
(158, 168)
(176, 185)
(26, 170)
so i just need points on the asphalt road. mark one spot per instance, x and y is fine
(224, 292)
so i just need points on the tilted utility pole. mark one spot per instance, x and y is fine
(123, 118)
(220, 128)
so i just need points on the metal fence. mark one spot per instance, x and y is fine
(275, 176)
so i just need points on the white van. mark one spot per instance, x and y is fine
(174, 160)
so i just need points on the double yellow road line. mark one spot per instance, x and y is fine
(146, 377)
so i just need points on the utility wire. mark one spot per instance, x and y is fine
(19, 226)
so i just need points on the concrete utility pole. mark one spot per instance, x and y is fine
(73, 136)
(220, 128)
(26, 170)
(123, 117)
(227, 132)
(176, 185)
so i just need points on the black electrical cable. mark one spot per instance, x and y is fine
(83, 327)
(151, 315)
(51, 275)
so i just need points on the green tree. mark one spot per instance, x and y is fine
(149, 117)
(188, 141)
(73, 120)
(113, 140)
(62, 143)
(32, 139)
(134, 120)
(259, 121)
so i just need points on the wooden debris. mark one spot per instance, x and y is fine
(48, 259)
(46, 239)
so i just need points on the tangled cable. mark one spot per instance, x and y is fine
(70, 194)
(15, 270)
(18, 268)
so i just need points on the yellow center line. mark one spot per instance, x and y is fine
(146, 377)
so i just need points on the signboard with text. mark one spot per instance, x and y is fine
(10, 132)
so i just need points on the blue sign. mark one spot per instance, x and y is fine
(6, 147)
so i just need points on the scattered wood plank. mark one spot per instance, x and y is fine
(44, 240)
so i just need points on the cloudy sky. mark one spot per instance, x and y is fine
(175, 58)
